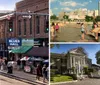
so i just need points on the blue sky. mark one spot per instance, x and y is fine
(69, 5)
(8, 4)
(91, 49)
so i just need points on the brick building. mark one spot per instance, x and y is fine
(30, 20)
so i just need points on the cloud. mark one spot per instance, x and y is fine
(73, 3)
(55, 8)
(5, 5)
(7, 8)
(90, 1)
(66, 9)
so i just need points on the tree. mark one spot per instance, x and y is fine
(98, 57)
(97, 18)
(86, 70)
(65, 17)
(54, 17)
(53, 45)
(88, 18)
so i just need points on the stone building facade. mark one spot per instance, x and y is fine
(72, 62)
(25, 27)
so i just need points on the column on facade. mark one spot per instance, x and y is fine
(79, 65)
(82, 65)
(67, 62)
(84, 60)
(70, 61)
(74, 61)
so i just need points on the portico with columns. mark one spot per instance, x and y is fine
(75, 62)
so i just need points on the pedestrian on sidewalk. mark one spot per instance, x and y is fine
(83, 31)
(6, 61)
(18, 64)
(57, 28)
(53, 31)
(47, 73)
(96, 30)
(38, 72)
(44, 73)
(2, 64)
(10, 67)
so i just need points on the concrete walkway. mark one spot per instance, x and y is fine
(25, 76)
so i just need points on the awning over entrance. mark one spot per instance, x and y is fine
(22, 49)
(38, 51)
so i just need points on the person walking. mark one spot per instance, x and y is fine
(38, 72)
(47, 73)
(2, 64)
(44, 73)
(96, 30)
(53, 31)
(82, 31)
(10, 67)
(57, 28)
(18, 63)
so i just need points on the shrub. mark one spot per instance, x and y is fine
(86, 70)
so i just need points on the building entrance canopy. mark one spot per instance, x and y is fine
(21, 50)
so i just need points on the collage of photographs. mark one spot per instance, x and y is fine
(49, 42)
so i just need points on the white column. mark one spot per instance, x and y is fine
(84, 62)
(79, 65)
(74, 61)
(70, 61)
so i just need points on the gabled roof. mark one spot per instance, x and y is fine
(76, 51)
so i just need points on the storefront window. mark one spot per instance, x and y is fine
(30, 26)
(24, 26)
(46, 24)
(19, 26)
(37, 24)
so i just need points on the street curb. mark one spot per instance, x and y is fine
(63, 82)
(22, 79)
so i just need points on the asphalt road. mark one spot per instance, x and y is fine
(85, 82)
(10, 81)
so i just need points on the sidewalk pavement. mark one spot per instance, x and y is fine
(26, 76)
(59, 83)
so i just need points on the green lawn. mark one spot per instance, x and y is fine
(61, 78)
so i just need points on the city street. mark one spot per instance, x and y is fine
(69, 33)
(10, 81)
(85, 82)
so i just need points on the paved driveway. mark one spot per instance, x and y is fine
(85, 82)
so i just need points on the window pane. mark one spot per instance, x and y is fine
(30, 26)
(24, 26)
(19, 27)
(37, 24)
